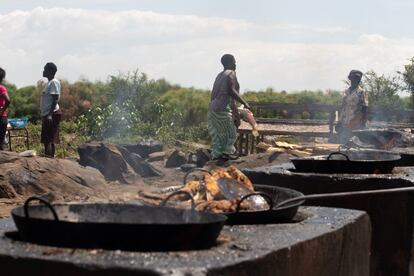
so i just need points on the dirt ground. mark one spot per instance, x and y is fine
(118, 192)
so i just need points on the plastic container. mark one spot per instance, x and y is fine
(18, 122)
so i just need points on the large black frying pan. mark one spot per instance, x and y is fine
(117, 226)
(354, 162)
(407, 157)
(273, 195)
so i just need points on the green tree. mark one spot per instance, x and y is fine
(408, 77)
(382, 90)
(190, 103)
(24, 102)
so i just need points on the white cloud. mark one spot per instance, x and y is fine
(187, 49)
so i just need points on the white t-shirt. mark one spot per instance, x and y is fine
(46, 100)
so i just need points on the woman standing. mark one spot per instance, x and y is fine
(4, 103)
(353, 112)
(221, 126)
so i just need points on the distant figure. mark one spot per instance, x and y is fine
(221, 124)
(50, 111)
(4, 103)
(353, 112)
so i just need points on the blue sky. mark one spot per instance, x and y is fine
(391, 18)
(288, 45)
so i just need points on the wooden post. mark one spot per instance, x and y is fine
(311, 114)
(252, 145)
(331, 121)
(240, 150)
(247, 145)
(27, 139)
(9, 134)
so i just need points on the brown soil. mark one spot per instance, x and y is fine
(117, 192)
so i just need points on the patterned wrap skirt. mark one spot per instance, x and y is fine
(223, 133)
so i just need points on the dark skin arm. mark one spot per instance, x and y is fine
(235, 94)
(55, 99)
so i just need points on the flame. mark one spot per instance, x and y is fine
(390, 143)
(377, 171)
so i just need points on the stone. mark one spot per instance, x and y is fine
(28, 153)
(202, 156)
(140, 166)
(144, 149)
(156, 156)
(176, 159)
(187, 167)
(109, 161)
(192, 158)
(21, 176)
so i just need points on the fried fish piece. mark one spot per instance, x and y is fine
(206, 192)
(233, 173)
(217, 206)
(241, 177)
(221, 206)
(213, 190)
(192, 187)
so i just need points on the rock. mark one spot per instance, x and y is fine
(109, 161)
(144, 149)
(21, 176)
(7, 157)
(176, 159)
(192, 158)
(188, 167)
(156, 156)
(140, 166)
(191, 145)
(28, 153)
(202, 156)
(52, 197)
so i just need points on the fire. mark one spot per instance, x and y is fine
(390, 143)
(377, 171)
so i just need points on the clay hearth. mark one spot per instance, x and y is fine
(392, 215)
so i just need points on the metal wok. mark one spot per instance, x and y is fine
(271, 194)
(354, 162)
(116, 226)
(407, 157)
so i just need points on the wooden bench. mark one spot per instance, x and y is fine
(247, 143)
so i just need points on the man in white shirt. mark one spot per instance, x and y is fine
(50, 112)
